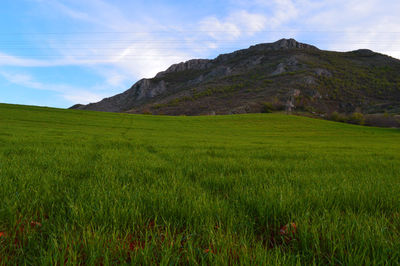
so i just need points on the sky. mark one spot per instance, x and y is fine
(59, 53)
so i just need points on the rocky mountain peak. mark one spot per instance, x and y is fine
(283, 44)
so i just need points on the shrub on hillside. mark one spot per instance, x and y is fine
(267, 107)
(146, 112)
(357, 118)
(335, 116)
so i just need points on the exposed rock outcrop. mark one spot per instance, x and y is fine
(283, 44)
(142, 90)
(194, 64)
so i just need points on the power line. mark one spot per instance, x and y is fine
(139, 46)
(188, 40)
(200, 31)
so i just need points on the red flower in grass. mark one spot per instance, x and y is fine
(210, 250)
(288, 229)
(35, 224)
(136, 244)
(2, 234)
(151, 224)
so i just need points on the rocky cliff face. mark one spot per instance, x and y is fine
(194, 64)
(283, 44)
(266, 74)
(144, 89)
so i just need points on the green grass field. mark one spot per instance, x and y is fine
(100, 188)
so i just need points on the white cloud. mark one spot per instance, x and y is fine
(82, 97)
(237, 24)
(132, 50)
(284, 12)
(220, 30)
(70, 93)
(356, 24)
(10, 60)
(75, 14)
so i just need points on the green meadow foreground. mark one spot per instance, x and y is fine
(100, 188)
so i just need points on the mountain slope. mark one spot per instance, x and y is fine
(266, 77)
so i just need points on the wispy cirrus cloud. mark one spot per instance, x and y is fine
(349, 25)
(19, 61)
(131, 47)
(238, 24)
(69, 93)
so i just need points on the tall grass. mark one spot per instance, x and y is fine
(99, 188)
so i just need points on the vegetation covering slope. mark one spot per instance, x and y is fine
(89, 187)
(246, 81)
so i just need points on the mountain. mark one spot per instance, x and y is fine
(266, 77)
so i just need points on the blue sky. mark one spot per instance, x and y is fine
(61, 52)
